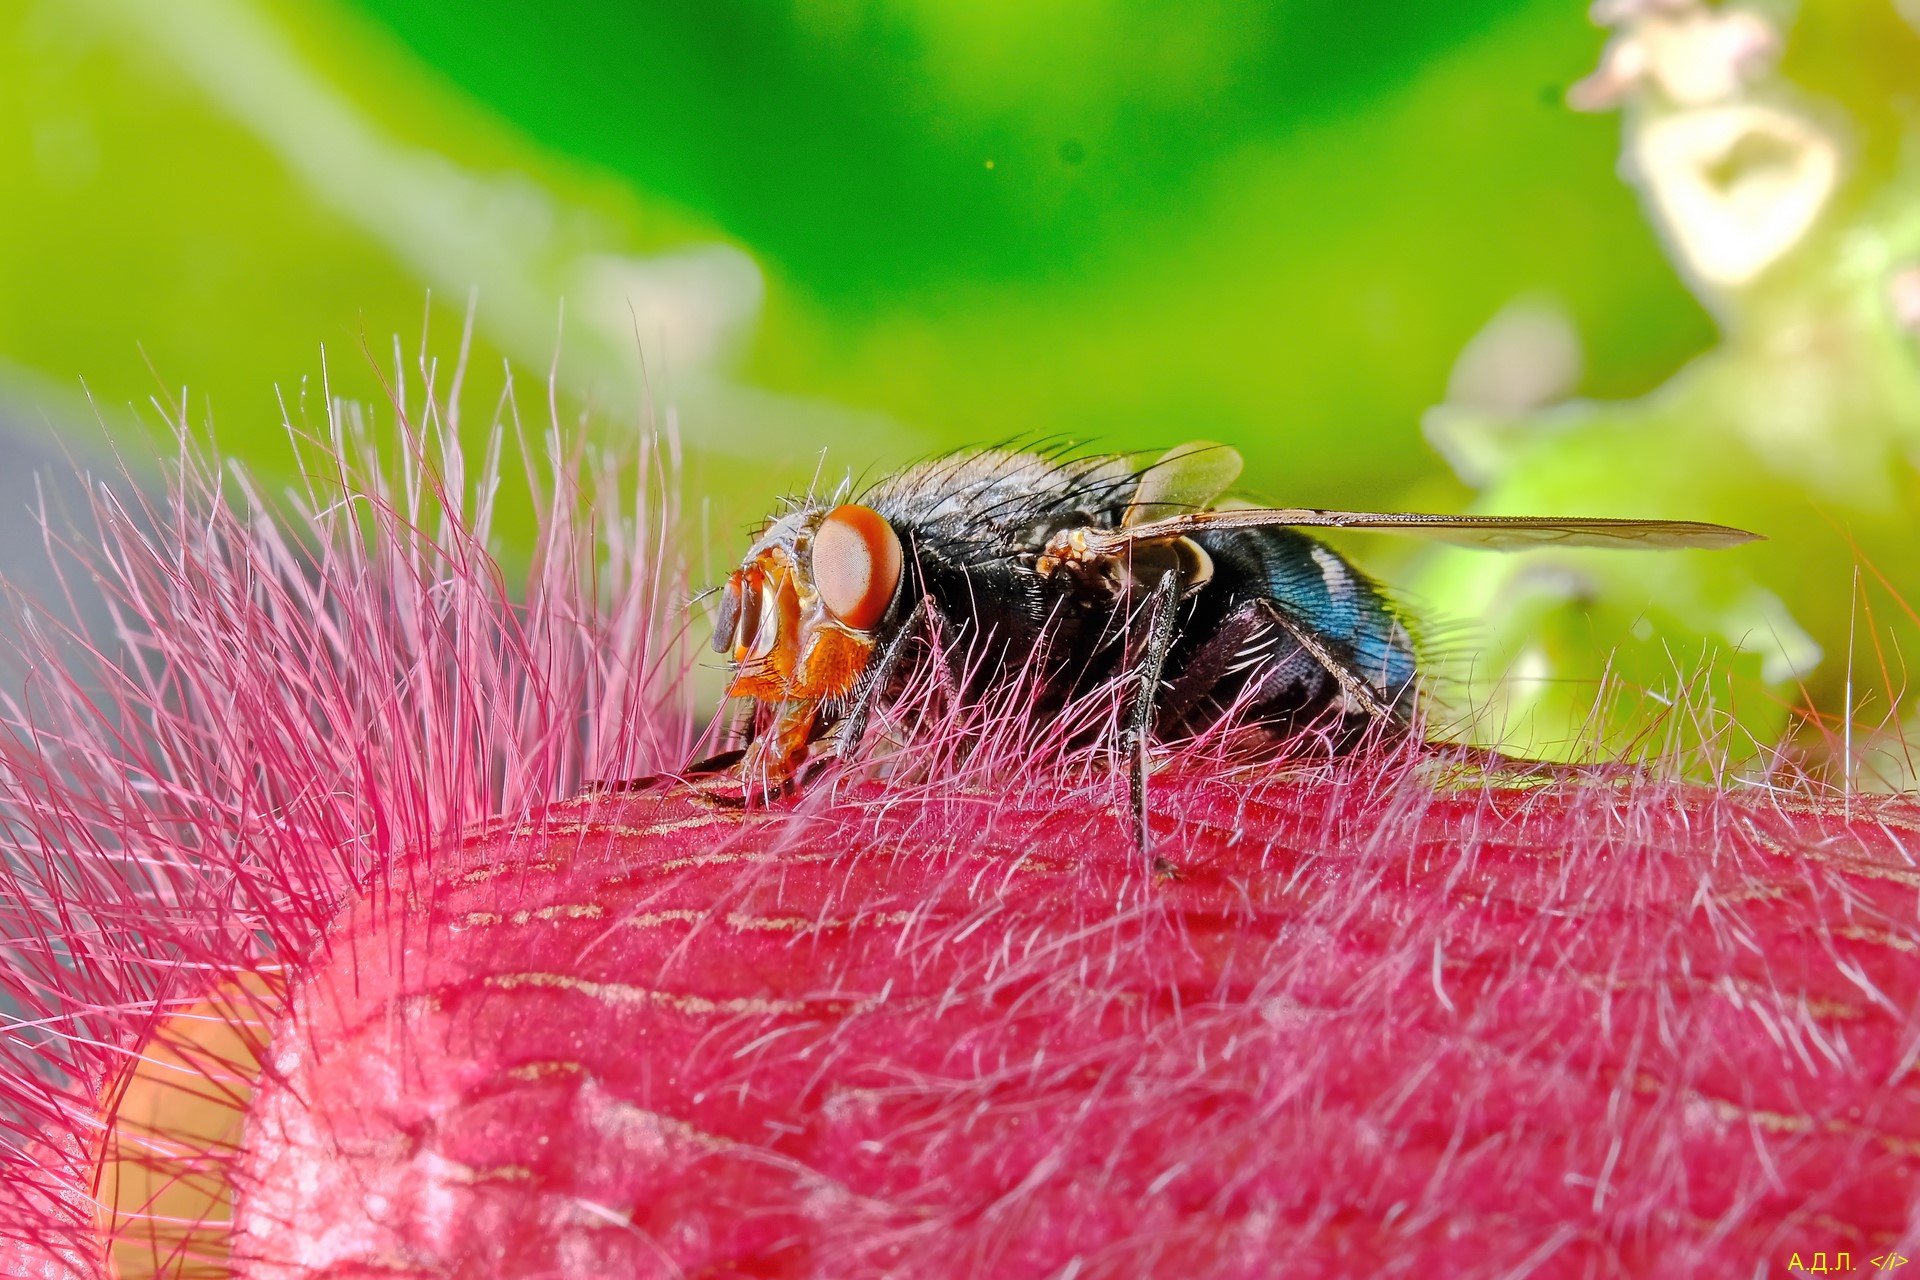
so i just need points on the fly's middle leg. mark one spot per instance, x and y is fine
(1145, 672)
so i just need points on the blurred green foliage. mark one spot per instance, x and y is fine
(1266, 221)
(1780, 160)
(887, 229)
(1262, 222)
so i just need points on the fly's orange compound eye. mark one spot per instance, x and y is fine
(856, 565)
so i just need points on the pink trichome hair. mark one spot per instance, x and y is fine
(273, 699)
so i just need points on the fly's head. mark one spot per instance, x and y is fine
(798, 617)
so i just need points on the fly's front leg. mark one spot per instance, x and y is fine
(1161, 609)
(719, 762)
(738, 738)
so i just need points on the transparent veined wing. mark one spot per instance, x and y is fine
(1186, 479)
(1488, 533)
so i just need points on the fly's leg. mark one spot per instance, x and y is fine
(622, 786)
(718, 762)
(1238, 640)
(763, 765)
(1244, 637)
(853, 726)
(711, 765)
(844, 738)
(1355, 686)
(769, 764)
(738, 740)
(707, 767)
(1162, 607)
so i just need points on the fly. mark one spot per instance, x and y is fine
(1094, 570)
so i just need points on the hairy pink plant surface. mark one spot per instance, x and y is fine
(1375, 1027)
(317, 960)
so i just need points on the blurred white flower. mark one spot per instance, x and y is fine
(1694, 55)
(1735, 186)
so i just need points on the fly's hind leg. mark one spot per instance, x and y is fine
(1245, 638)
(1359, 691)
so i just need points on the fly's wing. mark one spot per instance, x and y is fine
(1488, 533)
(1185, 480)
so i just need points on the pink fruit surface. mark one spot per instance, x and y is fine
(1377, 1025)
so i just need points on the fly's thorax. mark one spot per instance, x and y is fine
(1004, 497)
(980, 524)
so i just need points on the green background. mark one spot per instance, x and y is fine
(867, 232)
(1271, 223)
